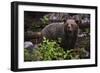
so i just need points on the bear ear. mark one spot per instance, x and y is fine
(64, 20)
(78, 22)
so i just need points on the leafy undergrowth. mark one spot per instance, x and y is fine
(50, 50)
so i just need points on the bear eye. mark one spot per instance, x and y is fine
(66, 23)
(72, 25)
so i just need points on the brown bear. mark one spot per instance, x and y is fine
(67, 31)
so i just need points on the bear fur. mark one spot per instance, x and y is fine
(67, 31)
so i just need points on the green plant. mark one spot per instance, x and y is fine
(45, 19)
(51, 50)
(27, 55)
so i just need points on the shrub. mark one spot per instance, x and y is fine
(50, 50)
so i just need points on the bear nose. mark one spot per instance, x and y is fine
(69, 27)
